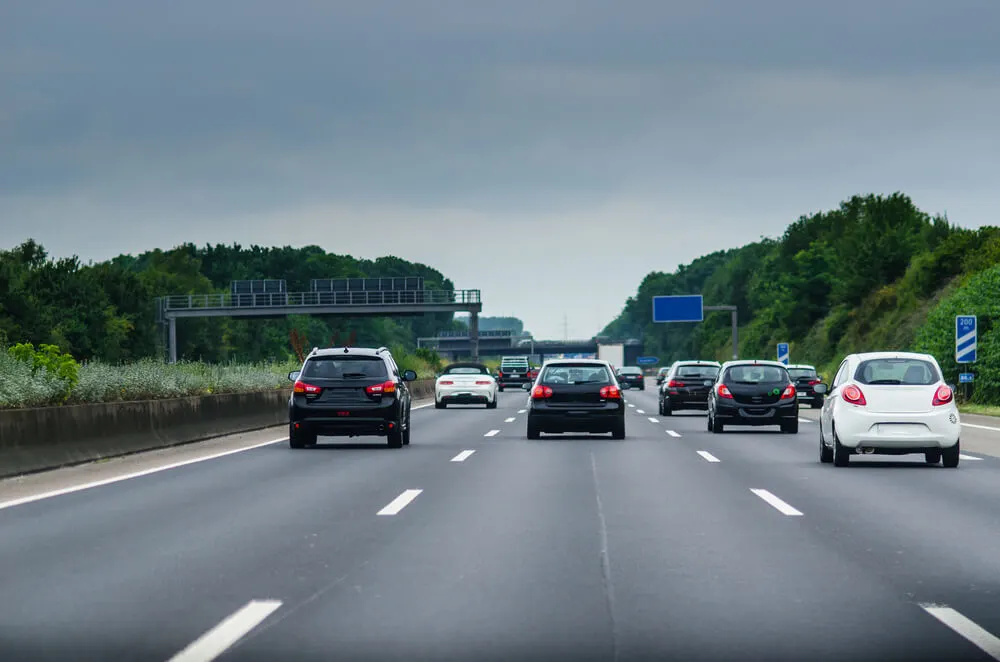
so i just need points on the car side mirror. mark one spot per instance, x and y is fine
(409, 376)
(294, 375)
(708, 382)
(820, 389)
(527, 386)
(626, 386)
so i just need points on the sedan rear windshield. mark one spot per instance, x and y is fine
(896, 372)
(756, 374)
(797, 373)
(575, 374)
(697, 372)
(466, 370)
(344, 367)
(631, 371)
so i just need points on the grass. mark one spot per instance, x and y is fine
(982, 410)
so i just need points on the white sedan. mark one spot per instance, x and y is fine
(465, 384)
(890, 403)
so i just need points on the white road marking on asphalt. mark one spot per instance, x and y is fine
(492, 433)
(672, 433)
(400, 502)
(463, 456)
(129, 476)
(631, 405)
(216, 641)
(777, 503)
(708, 456)
(965, 627)
(653, 420)
(510, 420)
(429, 404)
(522, 411)
(980, 427)
(639, 411)
(806, 420)
(968, 457)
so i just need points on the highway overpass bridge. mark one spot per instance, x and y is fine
(505, 343)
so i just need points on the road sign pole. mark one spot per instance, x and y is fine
(736, 334)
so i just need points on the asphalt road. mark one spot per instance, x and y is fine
(475, 543)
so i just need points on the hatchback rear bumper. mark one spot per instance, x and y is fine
(908, 432)
(741, 414)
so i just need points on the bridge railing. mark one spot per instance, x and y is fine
(306, 299)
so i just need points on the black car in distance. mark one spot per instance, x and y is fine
(632, 377)
(661, 375)
(349, 392)
(576, 395)
(753, 393)
(687, 386)
(806, 379)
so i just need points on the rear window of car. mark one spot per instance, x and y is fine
(345, 367)
(466, 370)
(575, 374)
(796, 373)
(517, 362)
(756, 374)
(896, 372)
(631, 371)
(697, 371)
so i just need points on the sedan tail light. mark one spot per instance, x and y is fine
(611, 393)
(446, 382)
(673, 383)
(380, 389)
(853, 394)
(724, 392)
(541, 392)
(301, 387)
(943, 396)
(788, 393)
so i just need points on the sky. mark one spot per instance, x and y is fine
(550, 153)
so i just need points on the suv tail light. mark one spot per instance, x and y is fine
(788, 393)
(853, 394)
(942, 396)
(724, 392)
(301, 387)
(611, 393)
(673, 383)
(380, 389)
(499, 373)
(541, 392)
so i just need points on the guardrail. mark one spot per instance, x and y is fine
(281, 299)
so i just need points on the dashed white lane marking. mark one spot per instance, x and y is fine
(639, 411)
(463, 456)
(965, 627)
(631, 405)
(672, 433)
(653, 420)
(400, 502)
(216, 641)
(968, 457)
(129, 476)
(422, 406)
(806, 420)
(509, 420)
(777, 503)
(708, 456)
(492, 433)
(980, 427)
(522, 411)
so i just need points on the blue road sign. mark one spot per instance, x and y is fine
(965, 338)
(647, 360)
(783, 352)
(686, 308)
(966, 378)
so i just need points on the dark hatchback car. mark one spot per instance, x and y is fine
(806, 379)
(632, 377)
(349, 392)
(753, 393)
(576, 395)
(687, 386)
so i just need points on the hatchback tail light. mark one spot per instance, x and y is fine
(853, 394)
(611, 393)
(724, 392)
(943, 396)
(813, 382)
(541, 392)
(301, 387)
(788, 393)
(673, 383)
(381, 389)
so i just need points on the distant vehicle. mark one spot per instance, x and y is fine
(576, 395)
(514, 371)
(632, 377)
(613, 353)
(661, 374)
(753, 393)
(806, 379)
(685, 386)
(890, 403)
(465, 384)
(349, 392)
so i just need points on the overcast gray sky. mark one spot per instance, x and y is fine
(548, 152)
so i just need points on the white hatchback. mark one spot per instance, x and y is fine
(890, 403)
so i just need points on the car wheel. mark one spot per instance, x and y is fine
(500, 388)
(825, 452)
(718, 427)
(439, 405)
(618, 432)
(667, 409)
(406, 432)
(791, 427)
(534, 432)
(950, 455)
(841, 454)
(492, 404)
(295, 439)
(817, 404)
(395, 436)
(708, 422)
(932, 457)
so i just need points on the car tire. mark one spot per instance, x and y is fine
(534, 432)
(296, 439)
(718, 427)
(708, 422)
(825, 452)
(492, 404)
(395, 436)
(618, 431)
(841, 454)
(667, 410)
(500, 388)
(949, 456)
(791, 427)
(439, 405)
(932, 457)
(817, 404)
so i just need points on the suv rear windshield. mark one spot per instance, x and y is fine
(798, 373)
(466, 370)
(756, 374)
(345, 367)
(630, 371)
(514, 362)
(568, 373)
(698, 371)
(907, 372)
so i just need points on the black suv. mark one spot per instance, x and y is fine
(753, 393)
(349, 392)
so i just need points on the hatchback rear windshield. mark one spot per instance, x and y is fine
(905, 372)
(576, 374)
(797, 373)
(345, 367)
(697, 371)
(466, 370)
(756, 374)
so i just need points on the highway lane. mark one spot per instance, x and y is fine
(560, 548)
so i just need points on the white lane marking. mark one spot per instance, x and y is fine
(129, 476)
(522, 411)
(653, 420)
(492, 433)
(672, 433)
(980, 427)
(639, 411)
(777, 503)
(708, 456)
(966, 627)
(400, 502)
(463, 456)
(216, 641)
(509, 420)
(968, 457)
(631, 405)
(421, 406)
(806, 420)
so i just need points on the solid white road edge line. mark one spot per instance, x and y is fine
(965, 627)
(653, 420)
(510, 420)
(429, 404)
(708, 456)
(777, 503)
(216, 641)
(463, 456)
(400, 502)
(980, 427)
(968, 457)
(492, 433)
(806, 420)
(672, 433)
(135, 474)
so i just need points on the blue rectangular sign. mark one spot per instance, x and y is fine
(965, 338)
(686, 308)
(783, 352)
(647, 360)
(966, 378)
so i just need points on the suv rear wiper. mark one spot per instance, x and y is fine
(354, 374)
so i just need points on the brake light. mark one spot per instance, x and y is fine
(301, 387)
(483, 382)
(541, 392)
(942, 396)
(446, 382)
(673, 383)
(789, 392)
(611, 393)
(853, 394)
(813, 382)
(381, 389)
(724, 392)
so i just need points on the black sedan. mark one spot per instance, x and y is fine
(806, 379)
(576, 395)
(753, 393)
(632, 377)
(687, 386)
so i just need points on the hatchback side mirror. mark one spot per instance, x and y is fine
(409, 376)
(820, 389)
(707, 382)
(526, 386)
(294, 375)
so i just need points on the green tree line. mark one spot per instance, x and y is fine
(877, 273)
(106, 310)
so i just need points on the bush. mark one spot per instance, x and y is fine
(48, 364)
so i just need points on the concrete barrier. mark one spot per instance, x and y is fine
(50, 437)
